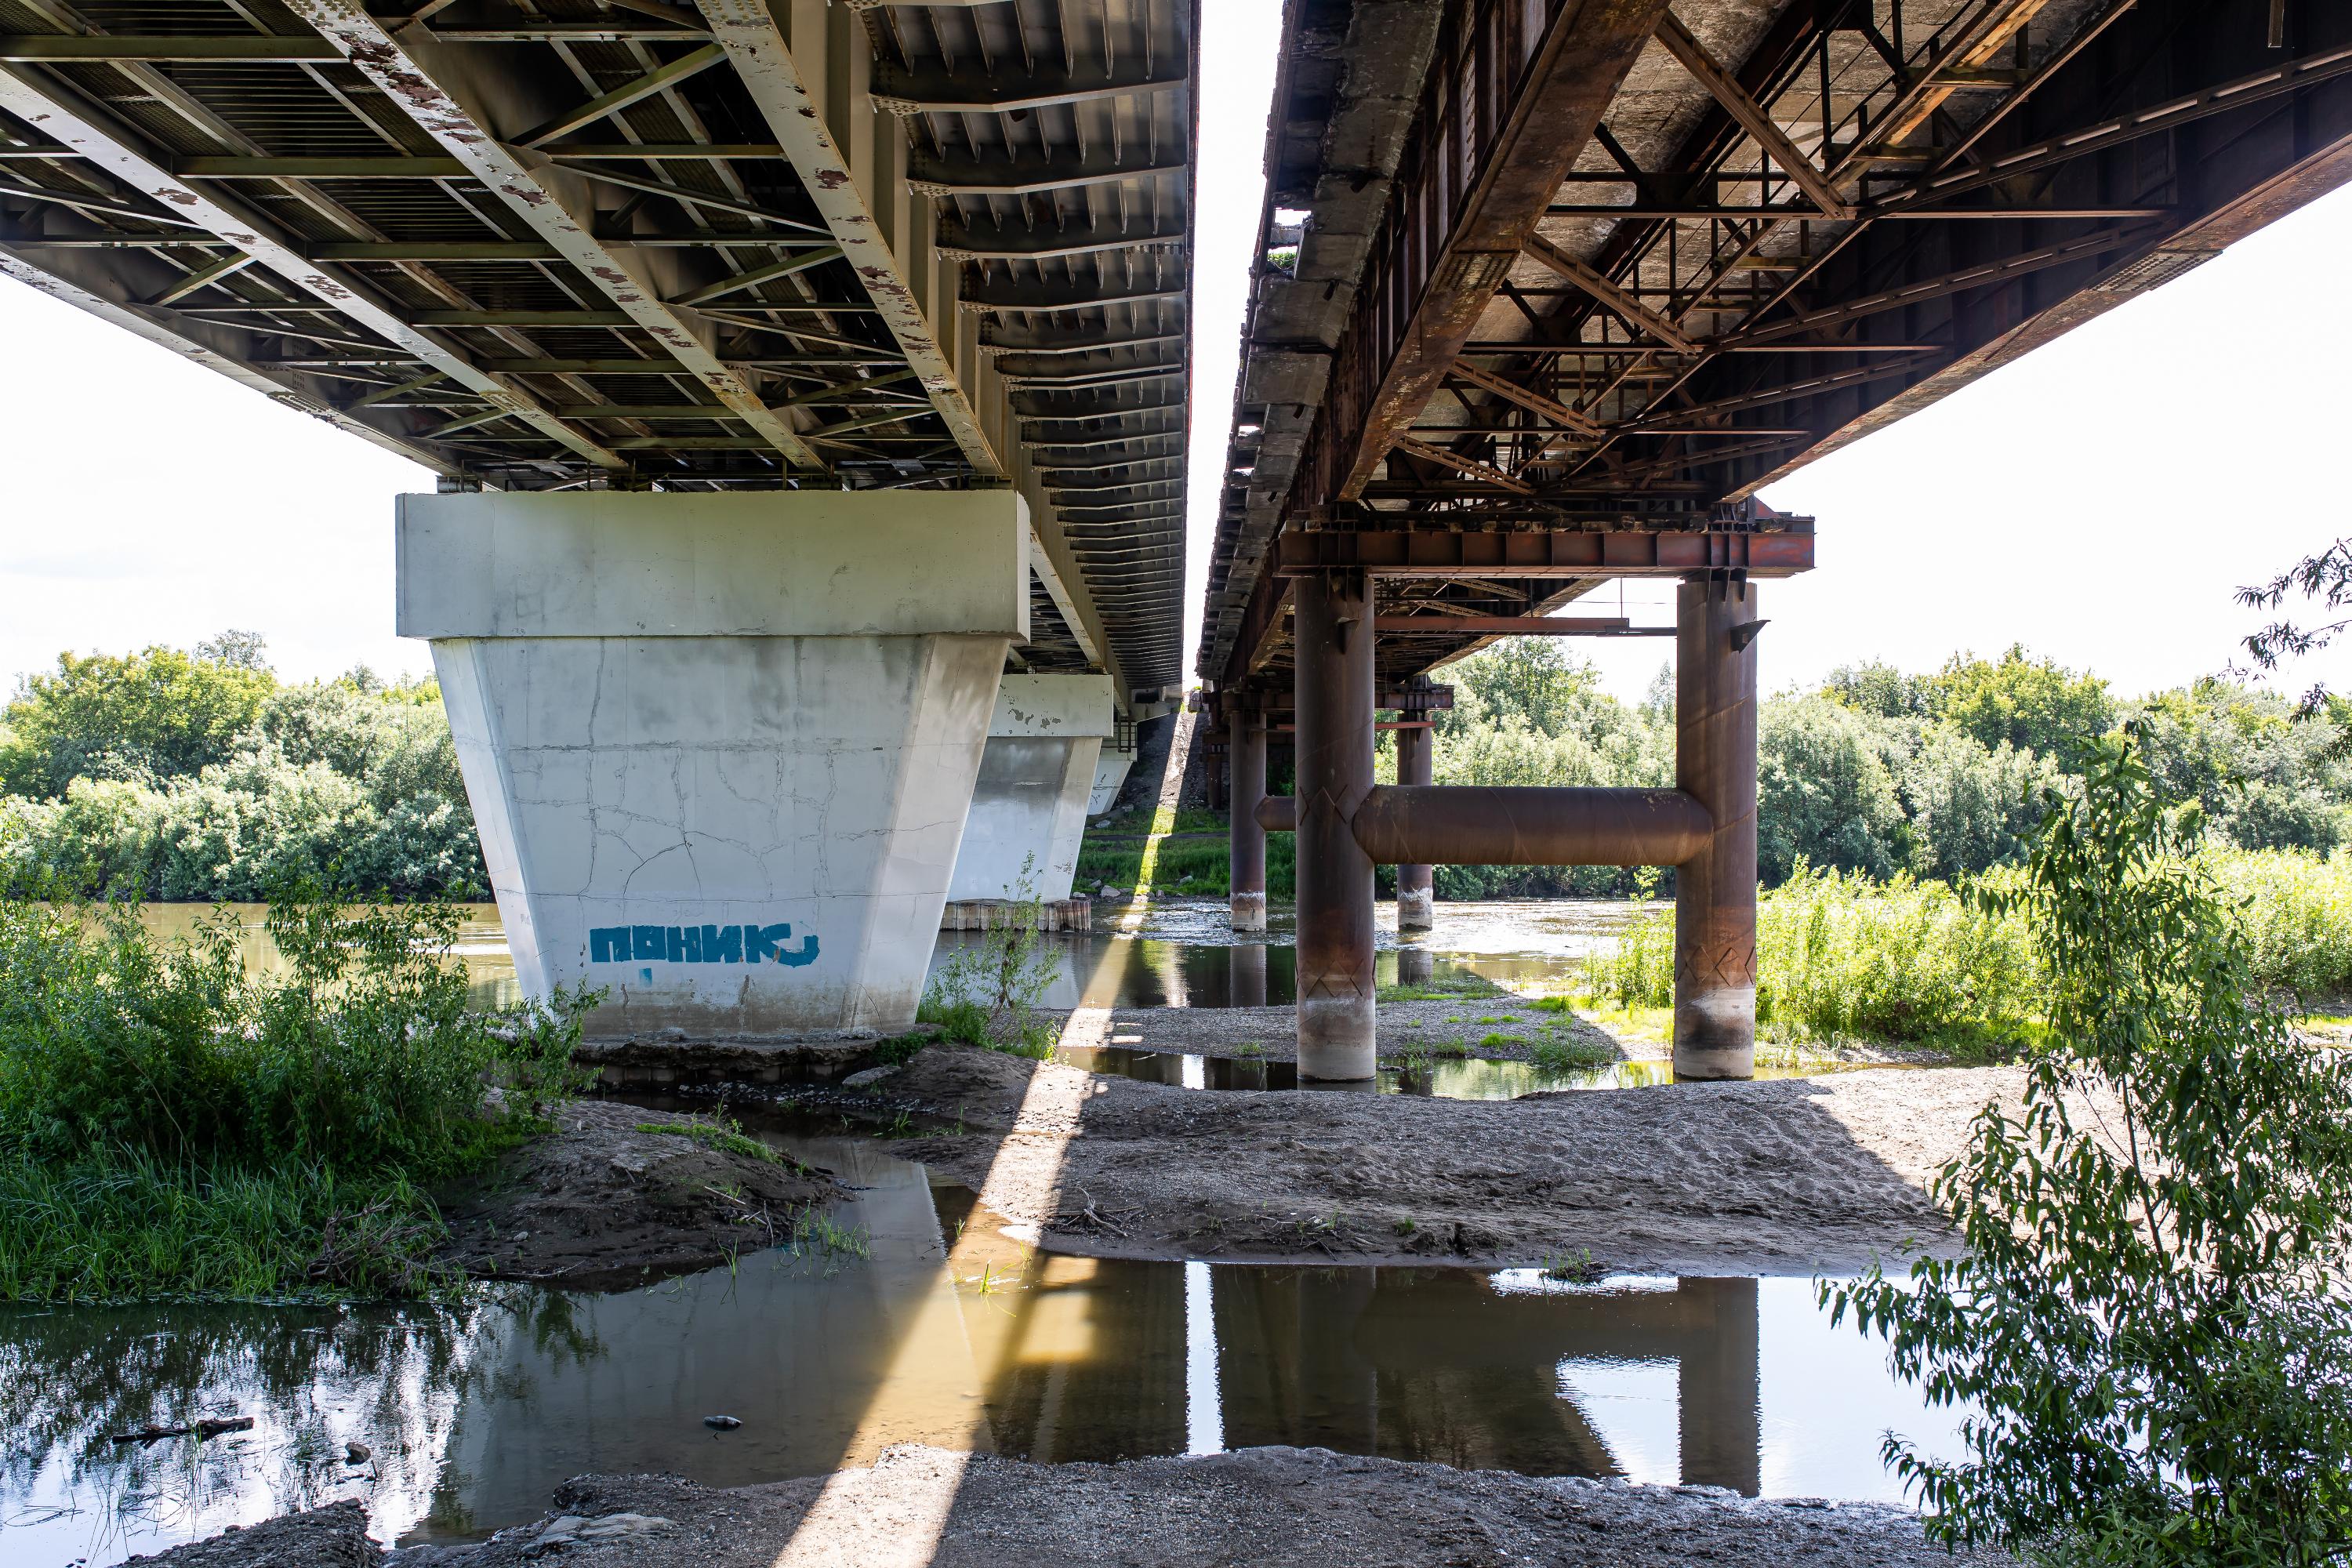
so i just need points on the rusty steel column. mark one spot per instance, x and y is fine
(1416, 885)
(1333, 630)
(1715, 890)
(1245, 859)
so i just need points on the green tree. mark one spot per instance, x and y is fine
(2033, 704)
(1824, 793)
(158, 714)
(2144, 1314)
(1880, 689)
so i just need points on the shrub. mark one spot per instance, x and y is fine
(2146, 1315)
(173, 1092)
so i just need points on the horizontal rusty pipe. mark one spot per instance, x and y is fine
(1278, 813)
(1460, 825)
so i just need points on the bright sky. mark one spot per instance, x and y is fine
(2097, 500)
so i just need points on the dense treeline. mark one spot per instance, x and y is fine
(1883, 773)
(201, 775)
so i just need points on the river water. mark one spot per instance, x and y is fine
(946, 1332)
(934, 1326)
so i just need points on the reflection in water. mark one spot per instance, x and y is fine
(1450, 1078)
(1184, 954)
(481, 946)
(953, 1333)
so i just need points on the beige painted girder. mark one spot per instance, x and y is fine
(119, 155)
(850, 159)
(533, 189)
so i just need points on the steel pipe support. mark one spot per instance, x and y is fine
(1246, 861)
(1278, 813)
(1463, 825)
(1416, 883)
(1333, 635)
(1715, 886)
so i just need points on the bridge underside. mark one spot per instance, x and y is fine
(750, 260)
(1546, 292)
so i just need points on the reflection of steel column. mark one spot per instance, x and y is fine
(1722, 1427)
(1246, 758)
(1416, 885)
(1246, 975)
(1334, 670)
(1414, 965)
(1714, 890)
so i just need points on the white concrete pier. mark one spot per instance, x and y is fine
(719, 747)
(1029, 805)
(1111, 769)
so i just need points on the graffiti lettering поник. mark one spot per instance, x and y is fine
(699, 944)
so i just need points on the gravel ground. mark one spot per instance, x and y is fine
(924, 1508)
(1792, 1175)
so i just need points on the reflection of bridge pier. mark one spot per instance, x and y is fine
(1436, 1364)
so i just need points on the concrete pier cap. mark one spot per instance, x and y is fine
(719, 747)
(1036, 777)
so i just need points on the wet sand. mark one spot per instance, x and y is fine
(1793, 1175)
(924, 1508)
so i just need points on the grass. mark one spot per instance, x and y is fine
(1441, 988)
(1571, 1055)
(726, 1138)
(1845, 958)
(173, 1127)
(1495, 1040)
(1183, 866)
(966, 1022)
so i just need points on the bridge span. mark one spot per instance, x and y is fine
(1546, 290)
(807, 387)
(807, 381)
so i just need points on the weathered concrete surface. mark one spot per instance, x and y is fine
(1029, 804)
(1111, 769)
(720, 748)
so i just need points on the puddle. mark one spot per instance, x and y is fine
(949, 1332)
(1184, 952)
(1457, 1079)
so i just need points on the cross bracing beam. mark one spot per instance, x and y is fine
(975, 90)
(1033, 342)
(1753, 117)
(661, 152)
(536, 194)
(1027, 172)
(1000, 238)
(1001, 291)
(603, 104)
(123, 155)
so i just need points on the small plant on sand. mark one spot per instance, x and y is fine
(1571, 1055)
(1575, 1268)
(726, 1136)
(1405, 1225)
(2148, 1315)
(987, 993)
